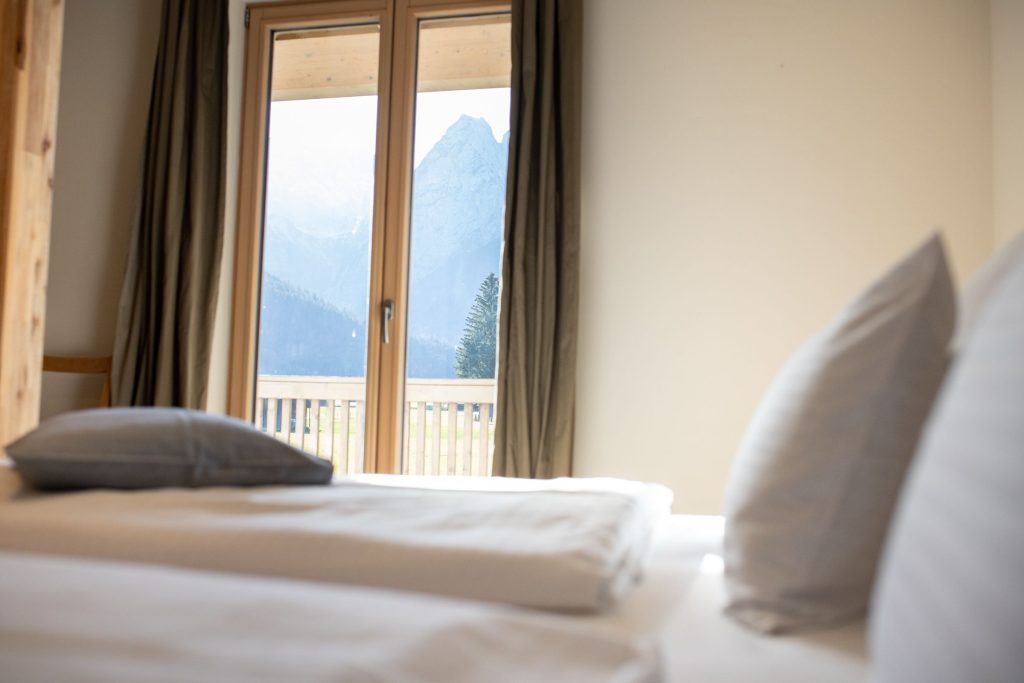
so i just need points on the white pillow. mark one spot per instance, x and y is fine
(949, 605)
(815, 481)
(979, 288)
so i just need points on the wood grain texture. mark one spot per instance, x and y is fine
(459, 55)
(31, 32)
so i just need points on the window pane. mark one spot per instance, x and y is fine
(460, 158)
(318, 220)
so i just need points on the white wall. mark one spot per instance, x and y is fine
(749, 165)
(106, 72)
(1008, 116)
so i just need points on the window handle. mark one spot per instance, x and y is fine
(387, 315)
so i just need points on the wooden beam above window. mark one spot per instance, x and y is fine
(454, 55)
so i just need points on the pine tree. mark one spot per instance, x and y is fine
(476, 355)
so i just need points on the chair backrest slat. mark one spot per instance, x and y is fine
(83, 366)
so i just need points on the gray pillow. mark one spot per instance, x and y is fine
(815, 481)
(137, 448)
(949, 605)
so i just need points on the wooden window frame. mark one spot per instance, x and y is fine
(389, 250)
(264, 20)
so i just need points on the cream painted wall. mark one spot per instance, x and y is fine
(1008, 116)
(106, 72)
(109, 50)
(749, 165)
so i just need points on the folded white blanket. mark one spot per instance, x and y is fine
(566, 544)
(70, 619)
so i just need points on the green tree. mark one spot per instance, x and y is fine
(476, 355)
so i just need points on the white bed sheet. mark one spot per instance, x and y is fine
(563, 544)
(679, 605)
(69, 619)
(676, 611)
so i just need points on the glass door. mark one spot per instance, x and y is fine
(317, 234)
(371, 215)
(460, 162)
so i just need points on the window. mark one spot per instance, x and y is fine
(371, 213)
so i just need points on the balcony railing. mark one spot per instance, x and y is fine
(448, 424)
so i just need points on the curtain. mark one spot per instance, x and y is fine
(165, 315)
(540, 262)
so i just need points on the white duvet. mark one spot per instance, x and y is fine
(566, 544)
(69, 619)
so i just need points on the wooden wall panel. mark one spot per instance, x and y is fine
(30, 41)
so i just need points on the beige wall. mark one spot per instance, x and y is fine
(106, 72)
(749, 165)
(109, 48)
(109, 51)
(1008, 116)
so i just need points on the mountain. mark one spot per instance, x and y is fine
(317, 253)
(458, 210)
(302, 334)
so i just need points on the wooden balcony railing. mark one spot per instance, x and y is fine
(448, 424)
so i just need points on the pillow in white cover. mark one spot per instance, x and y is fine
(949, 605)
(815, 481)
(979, 289)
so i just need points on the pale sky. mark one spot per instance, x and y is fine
(344, 127)
(437, 111)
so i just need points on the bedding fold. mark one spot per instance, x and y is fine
(573, 545)
(88, 620)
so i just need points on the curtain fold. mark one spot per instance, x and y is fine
(166, 310)
(540, 262)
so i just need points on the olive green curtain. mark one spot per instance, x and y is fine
(540, 262)
(165, 316)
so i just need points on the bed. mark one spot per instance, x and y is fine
(565, 544)
(67, 619)
(94, 620)
(668, 625)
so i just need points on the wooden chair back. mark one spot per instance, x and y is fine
(83, 366)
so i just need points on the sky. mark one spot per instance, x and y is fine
(345, 127)
(437, 111)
